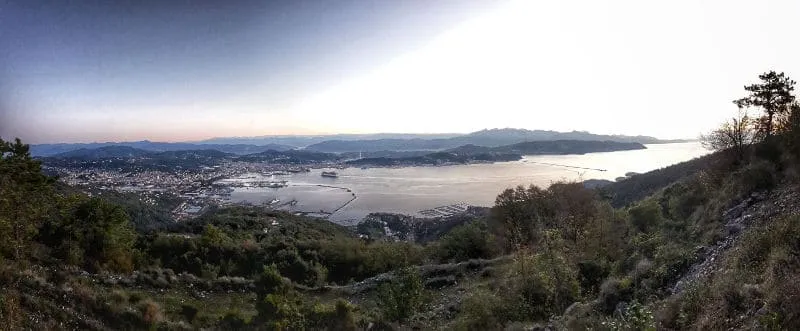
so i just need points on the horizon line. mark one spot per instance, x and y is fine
(305, 135)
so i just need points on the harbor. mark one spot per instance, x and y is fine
(445, 211)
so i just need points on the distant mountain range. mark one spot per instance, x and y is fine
(355, 143)
(485, 138)
(126, 158)
(306, 140)
(552, 147)
(54, 149)
(121, 151)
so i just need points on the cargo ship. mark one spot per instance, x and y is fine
(331, 174)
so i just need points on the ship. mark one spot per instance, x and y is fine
(276, 184)
(332, 174)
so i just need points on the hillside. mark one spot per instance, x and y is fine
(472, 153)
(44, 150)
(132, 159)
(353, 143)
(104, 152)
(566, 147)
(485, 138)
(299, 141)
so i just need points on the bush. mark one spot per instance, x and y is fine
(400, 298)
(338, 316)
(151, 312)
(233, 320)
(11, 314)
(591, 274)
(635, 316)
(189, 312)
(612, 292)
(646, 216)
(756, 177)
(540, 285)
(468, 241)
(482, 310)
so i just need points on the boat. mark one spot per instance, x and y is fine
(276, 184)
(331, 174)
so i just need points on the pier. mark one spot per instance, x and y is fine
(326, 214)
(564, 165)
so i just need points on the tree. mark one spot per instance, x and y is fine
(793, 129)
(93, 232)
(25, 198)
(468, 241)
(734, 136)
(521, 214)
(773, 95)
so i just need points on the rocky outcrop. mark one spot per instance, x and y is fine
(757, 208)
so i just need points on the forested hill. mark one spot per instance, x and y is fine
(132, 159)
(43, 150)
(472, 153)
(485, 138)
(567, 147)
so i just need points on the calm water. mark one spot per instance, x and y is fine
(409, 190)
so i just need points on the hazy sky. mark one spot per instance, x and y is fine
(188, 70)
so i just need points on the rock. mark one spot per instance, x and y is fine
(440, 282)
(762, 311)
(700, 251)
(734, 228)
(571, 309)
(620, 309)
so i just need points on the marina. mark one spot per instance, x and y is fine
(445, 211)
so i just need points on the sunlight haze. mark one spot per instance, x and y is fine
(664, 69)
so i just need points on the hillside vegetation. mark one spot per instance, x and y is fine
(711, 247)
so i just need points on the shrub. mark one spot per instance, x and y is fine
(591, 275)
(189, 312)
(11, 315)
(135, 298)
(756, 177)
(612, 292)
(482, 310)
(400, 298)
(540, 285)
(468, 241)
(646, 216)
(635, 316)
(338, 316)
(118, 297)
(151, 312)
(233, 320)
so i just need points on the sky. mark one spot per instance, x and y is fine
(82, 71)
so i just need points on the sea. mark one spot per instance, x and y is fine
(357, 192)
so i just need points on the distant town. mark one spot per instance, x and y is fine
(189, 179)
